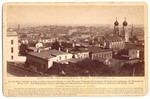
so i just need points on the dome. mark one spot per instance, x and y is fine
(125, 23)
(116, 23)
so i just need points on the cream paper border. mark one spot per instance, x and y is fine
(76, 89)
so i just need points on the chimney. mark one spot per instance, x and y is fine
(60, 43)
(59, 49)
(39, 50)
(104, 45)
(73, 45)
(10, 29)
(67, 50)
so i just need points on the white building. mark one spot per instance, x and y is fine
(42, 60)
(12, 46)
(113, 42)
(79, 52)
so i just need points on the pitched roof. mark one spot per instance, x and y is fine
(32, 48)
(12, 33)
(84, 49)
(113, 38)
(47, 54)
(72, 60)
(97, 49)
(78, 50)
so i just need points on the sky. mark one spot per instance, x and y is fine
(73, 15)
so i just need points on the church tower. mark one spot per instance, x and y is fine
(132, 30)
(125, 34)
(116, 28)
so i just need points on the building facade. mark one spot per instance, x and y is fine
(130, 53)
(41, 61)
(12, 46)
(113, 42)
(79, 52)
(98, 53)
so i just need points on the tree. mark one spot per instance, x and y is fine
(133, 38)
(86, 67)
(55, 45)
(23, 49)
(129, 69)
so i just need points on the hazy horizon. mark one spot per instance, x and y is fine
(28, 16)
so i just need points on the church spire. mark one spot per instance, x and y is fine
(125, 33)
(132, 30)
(125, 22)
(116, 28)
(116, 22)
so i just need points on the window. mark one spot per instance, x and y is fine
(12, 50)
(65, 57)
(133, 52)
(60, 58)
(100, 55)
(93, 56)
(12, 42)
(107, 54)
(104, 55)
(12, 57)
(110, 54)
(97, 55)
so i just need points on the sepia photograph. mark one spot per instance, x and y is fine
(75, 49)
(79, 40)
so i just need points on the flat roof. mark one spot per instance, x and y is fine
(32, 48)
(47, 54)
(72, 60)
(95, 49)
(113, 38)
(12, 33)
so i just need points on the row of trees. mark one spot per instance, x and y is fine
(89, 67)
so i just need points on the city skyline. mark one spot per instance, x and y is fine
(72, 15)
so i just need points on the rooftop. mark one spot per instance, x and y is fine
(113, 38)
(72, 60)
(32, 48)
(47, 54)
(78, 49)
(12, 33)
(133, 46)
(95, 49)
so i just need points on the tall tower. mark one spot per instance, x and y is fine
(116, 28)
(132, 29)
(125, 33)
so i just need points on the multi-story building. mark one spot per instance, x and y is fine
(79, 52)
(98, 53)
(130, 53)
(47, 40)
(42, 60)
(12, 45)
(113, 42)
